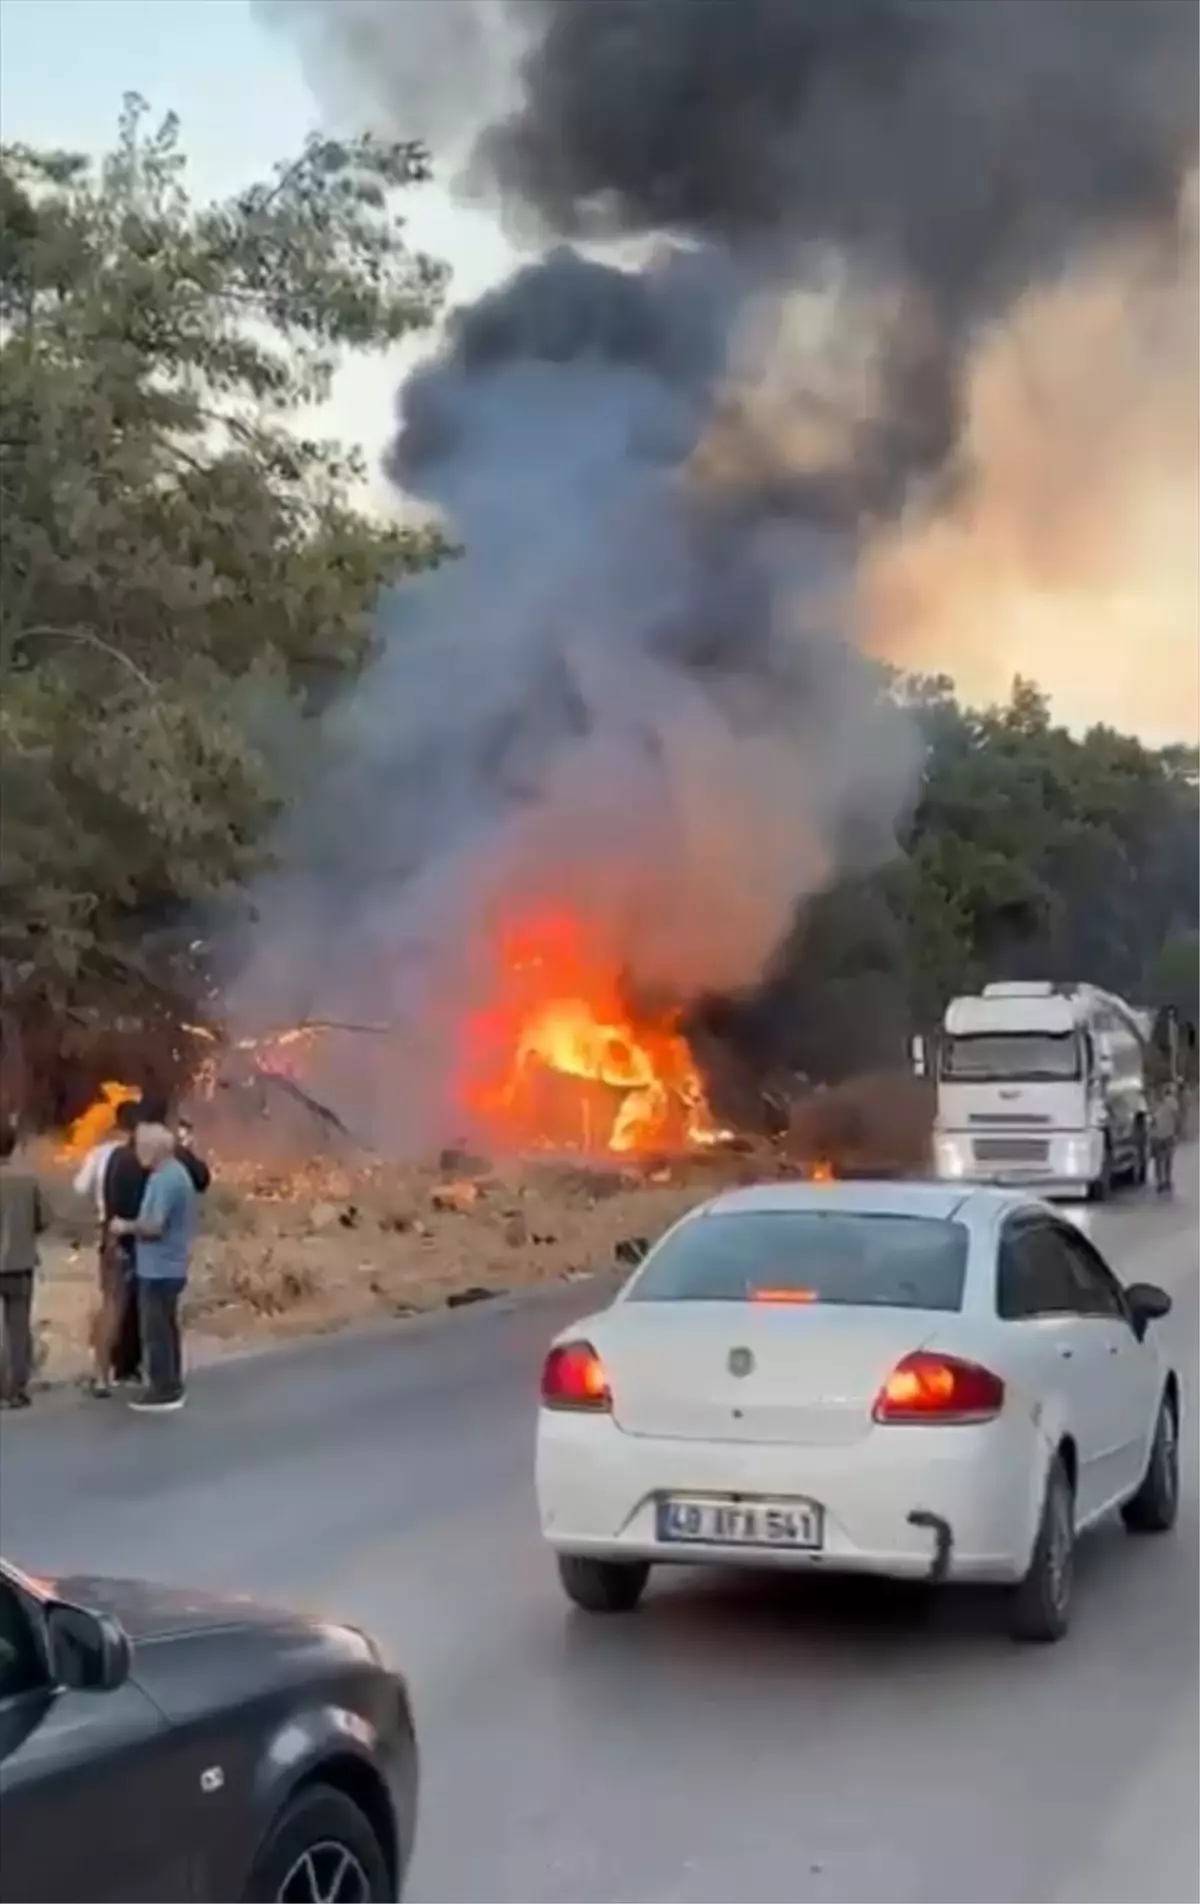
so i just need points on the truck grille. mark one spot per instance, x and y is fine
(1018, 1119)
(1011, 1150)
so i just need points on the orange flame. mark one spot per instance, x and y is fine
(92, 1126)
(559, 1014)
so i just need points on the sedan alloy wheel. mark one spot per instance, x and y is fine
(325, 1874)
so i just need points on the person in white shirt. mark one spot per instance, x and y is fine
(89, 1178)
(91, 1181)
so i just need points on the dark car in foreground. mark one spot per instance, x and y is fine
(157, 1744)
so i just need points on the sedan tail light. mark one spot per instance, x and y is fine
(939, 1389)
(573, 1377)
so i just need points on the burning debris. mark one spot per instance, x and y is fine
(560, 1058)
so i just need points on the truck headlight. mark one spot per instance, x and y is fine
(950, 1156)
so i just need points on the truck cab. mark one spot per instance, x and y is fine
(1041, 1085)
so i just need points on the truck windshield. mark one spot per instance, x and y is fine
(983, 1057)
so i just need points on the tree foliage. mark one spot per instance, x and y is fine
(185, 578)
(1031, 853)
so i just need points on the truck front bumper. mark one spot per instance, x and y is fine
(1067, 1164)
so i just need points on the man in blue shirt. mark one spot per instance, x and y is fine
(163, 1233)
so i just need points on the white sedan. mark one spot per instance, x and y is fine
(915, 1380)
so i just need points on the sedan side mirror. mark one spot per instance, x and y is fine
(1147, 1303)
(630, 1251)
(89, 1652)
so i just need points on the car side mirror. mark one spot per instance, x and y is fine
(89, 1652)
(1147, 1303)
(630, 1251)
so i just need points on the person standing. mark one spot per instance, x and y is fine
(114, 1254)
(163, 1233)
(121, 1194)
(124, 1185)
(22, 1220)
(1164, 1135)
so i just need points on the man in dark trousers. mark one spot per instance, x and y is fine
(124, 1186)
(163, 1233)
(115, 1256)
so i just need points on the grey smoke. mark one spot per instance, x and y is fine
(638, 688)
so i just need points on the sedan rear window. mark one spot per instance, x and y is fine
(859, 1259)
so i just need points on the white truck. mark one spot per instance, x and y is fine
(1045, 1085)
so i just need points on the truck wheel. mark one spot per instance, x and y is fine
(1101, 1189)
(1141, 1168)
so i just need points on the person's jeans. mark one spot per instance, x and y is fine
(106, 1321)
(16, 1332)
(162, 1346)
(127, 1348)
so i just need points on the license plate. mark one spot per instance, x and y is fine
(691, 1521)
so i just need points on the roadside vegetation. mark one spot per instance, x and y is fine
(186, 576)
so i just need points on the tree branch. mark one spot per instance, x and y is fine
(86, 637)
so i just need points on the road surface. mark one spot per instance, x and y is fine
(766, 1740)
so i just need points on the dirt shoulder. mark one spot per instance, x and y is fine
(306, 1254)
(329, 1245)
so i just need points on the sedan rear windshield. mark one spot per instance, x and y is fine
(822, 1256)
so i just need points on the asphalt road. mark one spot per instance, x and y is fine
(766, 1740)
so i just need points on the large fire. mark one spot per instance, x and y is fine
(97, 1122)
(558, 1058)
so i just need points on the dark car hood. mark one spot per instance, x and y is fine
(149, 1612)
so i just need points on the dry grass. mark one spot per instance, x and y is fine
(269, 1267)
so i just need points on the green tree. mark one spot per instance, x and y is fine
(1030, 852)
(185, 577)
(1175, 974)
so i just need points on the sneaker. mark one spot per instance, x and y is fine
(146, 1402)
(20, 1400)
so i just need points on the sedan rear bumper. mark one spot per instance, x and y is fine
(912, 1502)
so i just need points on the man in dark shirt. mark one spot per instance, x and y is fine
(124, 1185)
(120, 1185)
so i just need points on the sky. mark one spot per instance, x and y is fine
(65, 66)
(244, 104)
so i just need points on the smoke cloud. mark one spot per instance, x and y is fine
(1072, 555)
(797, 368)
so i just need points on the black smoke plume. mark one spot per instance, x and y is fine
(762, 240)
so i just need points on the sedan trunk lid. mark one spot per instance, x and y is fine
(737, 1371)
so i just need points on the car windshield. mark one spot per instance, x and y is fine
(849, 1257)
(983, 1056)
